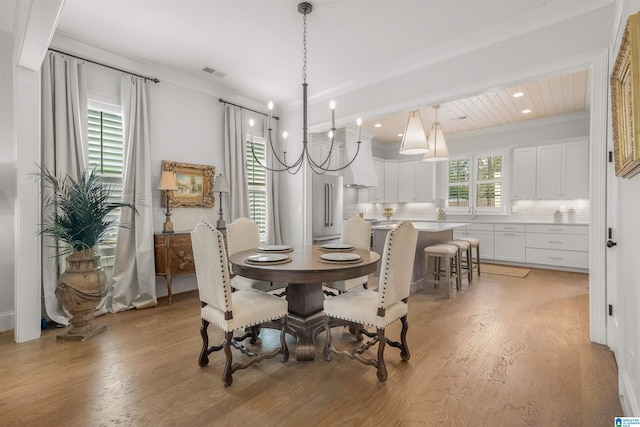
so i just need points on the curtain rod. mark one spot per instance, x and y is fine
(153, 79)
(245, 108)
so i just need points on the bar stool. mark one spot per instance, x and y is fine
(475, 243)
(465, 256)
(451, 268)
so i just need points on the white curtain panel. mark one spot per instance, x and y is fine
(134, 284)
(64, 142)
(274, 236)
(235, 164)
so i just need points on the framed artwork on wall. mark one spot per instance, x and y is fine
(625, 101)
(194, 184)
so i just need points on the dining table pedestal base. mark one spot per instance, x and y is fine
(305, 317)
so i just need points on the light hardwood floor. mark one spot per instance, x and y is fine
(504, 352)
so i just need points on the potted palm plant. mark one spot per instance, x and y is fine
(77, 218)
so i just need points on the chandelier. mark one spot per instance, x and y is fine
(324, 165)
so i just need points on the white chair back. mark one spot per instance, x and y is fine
(357, 232)
(212, 272)
(242, 235)
(397, 264)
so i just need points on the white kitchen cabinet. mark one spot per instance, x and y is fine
(562, 171)
(482, 232)
(407, 182)
(549, 172)
(376, 194)
(509, 240)
(390, 182)
(320, 151)
(524, 169)
(575, 170)
(425, 181)
(558, 245)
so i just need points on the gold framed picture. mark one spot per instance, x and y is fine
(194, 184)
(625, 101)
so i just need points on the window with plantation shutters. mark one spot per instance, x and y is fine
(257, 182)
(106, 158)
(475, 183)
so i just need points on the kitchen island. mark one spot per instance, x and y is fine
(429, 233)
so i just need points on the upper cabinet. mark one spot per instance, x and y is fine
(575, 170)
(523, 172)
(411, 181)
(390, 182)
(551, 172)
(407, 182)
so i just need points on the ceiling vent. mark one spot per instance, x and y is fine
(210, 70)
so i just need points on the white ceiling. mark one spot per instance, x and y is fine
(256, 46)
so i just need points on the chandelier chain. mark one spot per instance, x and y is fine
(304, 49)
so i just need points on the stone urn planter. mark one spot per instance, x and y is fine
(77, 218)
(80, 289)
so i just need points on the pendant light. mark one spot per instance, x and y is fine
(414, 139)
(437, 146)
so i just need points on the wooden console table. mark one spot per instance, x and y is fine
(174, 256)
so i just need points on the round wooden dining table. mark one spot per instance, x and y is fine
(304, 276)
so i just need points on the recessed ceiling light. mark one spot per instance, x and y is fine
(401, 135)
(378, 125)
(517, 94)
(527, 111)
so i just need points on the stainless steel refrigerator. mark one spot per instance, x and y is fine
(327, 208)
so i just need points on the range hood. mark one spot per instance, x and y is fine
(361, 172)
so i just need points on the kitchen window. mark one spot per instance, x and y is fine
(106, 158)
(257, 183)
(475, 183)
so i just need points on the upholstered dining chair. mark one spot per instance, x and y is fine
(378, 309)
(356, 232)
(228, 310)
(243, 234)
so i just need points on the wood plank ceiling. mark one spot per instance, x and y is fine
(545, 98)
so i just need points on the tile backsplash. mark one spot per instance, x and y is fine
(520, 210)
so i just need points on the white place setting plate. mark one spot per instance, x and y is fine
(267, 258)
(274, 248)
(340, 257)
(337, 246)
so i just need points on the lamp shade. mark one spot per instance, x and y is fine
(437, 146)
(167, 181)
(414, 140)
(220, 185)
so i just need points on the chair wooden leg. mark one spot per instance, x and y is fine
(203, 360)
(327, 345)
(404, 351)
(478, 258)
(283, 341)
(227, 377)
(382, 367)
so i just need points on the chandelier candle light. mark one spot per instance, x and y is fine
(167, 184)
(304, 8)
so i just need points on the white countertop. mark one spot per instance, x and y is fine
(426, 226)
(482, 221)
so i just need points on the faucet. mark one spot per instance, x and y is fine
(473, 212)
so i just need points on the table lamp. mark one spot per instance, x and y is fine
(167, 184)
(220, 186)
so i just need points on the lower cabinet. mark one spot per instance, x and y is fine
(558, 245)
(509, 242)
(482, 232)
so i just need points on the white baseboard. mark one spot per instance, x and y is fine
(7, 321)
(628, 400)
